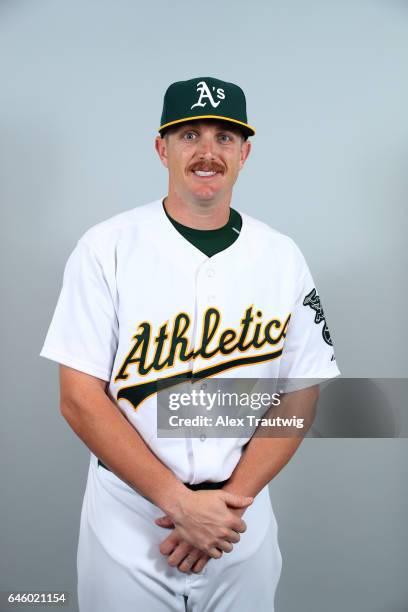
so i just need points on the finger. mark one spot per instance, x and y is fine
(225, 546)
(232, 536)
(200, 564)
(228, 535)
(165, 521)
(236, 501)
(238, 525)
(188, 561)
(179, 553)
(169, 544)
(214, 553)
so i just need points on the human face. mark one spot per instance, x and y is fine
(203, 159)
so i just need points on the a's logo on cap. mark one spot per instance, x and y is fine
(204, 91)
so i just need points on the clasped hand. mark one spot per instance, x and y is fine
(207, 524)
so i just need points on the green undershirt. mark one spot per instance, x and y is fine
(212, 241)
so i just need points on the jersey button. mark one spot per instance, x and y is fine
(210, 272)
(203, 437)
(211, 298)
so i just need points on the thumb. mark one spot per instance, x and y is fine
(237, 501)
(165, 521)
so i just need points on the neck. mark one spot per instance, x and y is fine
(204, 214)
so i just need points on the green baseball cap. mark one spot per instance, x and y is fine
(204, 98)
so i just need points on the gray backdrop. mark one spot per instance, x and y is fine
(80, 97)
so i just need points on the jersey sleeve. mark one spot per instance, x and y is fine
(308, 349)
(83, 333)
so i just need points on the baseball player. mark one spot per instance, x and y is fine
(184, 286)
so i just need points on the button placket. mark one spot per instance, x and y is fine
(204, 295)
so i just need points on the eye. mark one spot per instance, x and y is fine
(225, 138)
(190, 135)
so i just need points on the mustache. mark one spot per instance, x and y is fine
(207, 167)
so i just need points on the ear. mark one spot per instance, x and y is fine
(160, 145)
(245, 150)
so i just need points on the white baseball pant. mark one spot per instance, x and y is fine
(121, 568)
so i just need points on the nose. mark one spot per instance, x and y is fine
(206, 147)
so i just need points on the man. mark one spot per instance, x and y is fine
(185, 287)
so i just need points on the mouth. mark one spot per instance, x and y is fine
(205, 174)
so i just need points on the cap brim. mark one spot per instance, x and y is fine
(246, 128)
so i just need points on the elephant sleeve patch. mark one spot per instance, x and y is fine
(313, 301)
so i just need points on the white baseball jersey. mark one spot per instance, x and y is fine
(140, 303)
